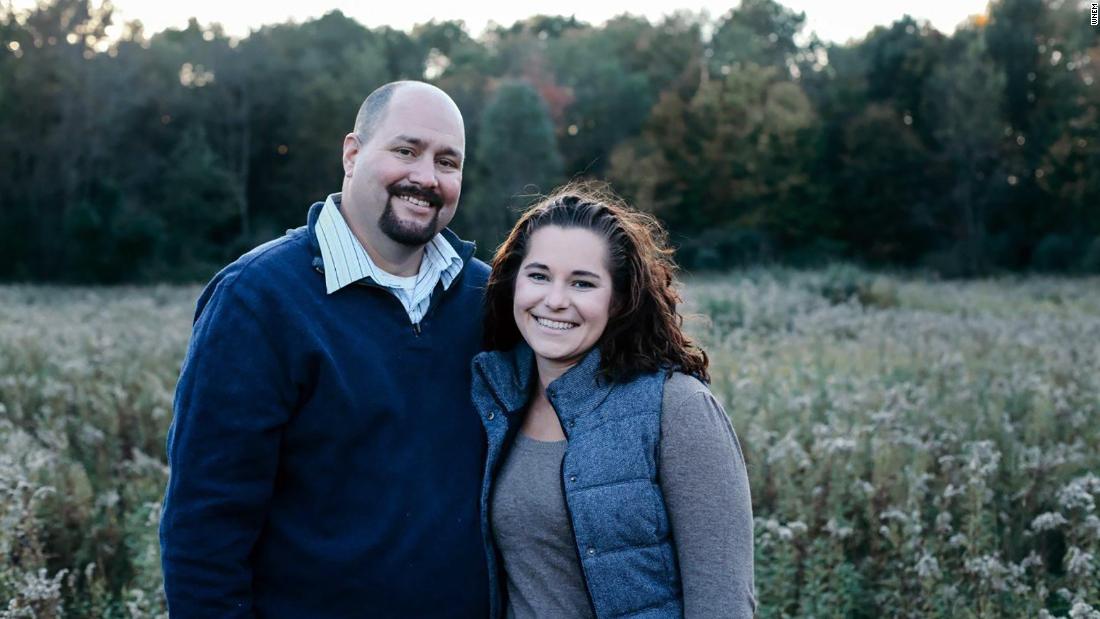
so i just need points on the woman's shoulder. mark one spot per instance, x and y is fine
(692, 416)
(680, 387)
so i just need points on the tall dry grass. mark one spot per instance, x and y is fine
(915, 449)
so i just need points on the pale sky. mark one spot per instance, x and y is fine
(835, 20)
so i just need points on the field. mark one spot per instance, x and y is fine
(915, 448)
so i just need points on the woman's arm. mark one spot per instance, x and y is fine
(706, 489)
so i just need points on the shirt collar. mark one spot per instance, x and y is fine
(345, 260)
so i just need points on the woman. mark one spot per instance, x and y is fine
(614, 484)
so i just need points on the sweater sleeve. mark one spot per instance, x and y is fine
(706, 489)
(232, 400)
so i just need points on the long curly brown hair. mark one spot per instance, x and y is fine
(644, 332)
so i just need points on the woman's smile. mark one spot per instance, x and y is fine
(563, 294)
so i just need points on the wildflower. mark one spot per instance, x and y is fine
(943, 522)
(1031, 560)
(1078, 493)
(990, 569)
(1078, 561)
(1092, 525)
(983, 459)
(837, 531)
(1047, 521)
(928, 568)
(1081, 610)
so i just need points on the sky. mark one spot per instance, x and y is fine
(833, 20)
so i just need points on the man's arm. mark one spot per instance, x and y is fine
(232, 400)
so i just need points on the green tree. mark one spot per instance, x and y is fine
(760, 32)
(198, 208)
(727, 169)
(519, 160)
(963, 104)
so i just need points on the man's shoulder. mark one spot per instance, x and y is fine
(269, 267)
(478, 272)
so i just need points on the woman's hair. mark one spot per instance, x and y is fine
(644, 331)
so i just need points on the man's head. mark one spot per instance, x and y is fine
(403, 165)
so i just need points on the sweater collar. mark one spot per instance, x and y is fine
(464, 249)
(512, 374)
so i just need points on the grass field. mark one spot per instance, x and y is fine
(915, 449)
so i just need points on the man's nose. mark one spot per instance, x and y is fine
(423, 173)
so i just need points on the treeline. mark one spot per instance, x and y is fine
(161, 157)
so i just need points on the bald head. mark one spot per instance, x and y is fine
(377, 104)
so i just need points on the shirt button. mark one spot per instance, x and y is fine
(572, 423)
(572, 478)
(491, 415)
(591, 551)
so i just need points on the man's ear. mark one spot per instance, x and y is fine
(351, 150)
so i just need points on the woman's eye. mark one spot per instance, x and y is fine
(583, 284)
(538, 277)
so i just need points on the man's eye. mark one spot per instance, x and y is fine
(407, 152)
(447, 163)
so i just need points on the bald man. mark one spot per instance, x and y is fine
(325, 457)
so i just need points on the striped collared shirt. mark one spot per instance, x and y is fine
(346, 262)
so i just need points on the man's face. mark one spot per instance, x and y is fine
(404, 183)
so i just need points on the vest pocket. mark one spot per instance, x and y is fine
(614, 516)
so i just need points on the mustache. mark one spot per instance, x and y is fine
(431, 197)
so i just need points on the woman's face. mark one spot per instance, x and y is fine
(563, 294)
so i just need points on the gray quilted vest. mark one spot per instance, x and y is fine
(609, 477)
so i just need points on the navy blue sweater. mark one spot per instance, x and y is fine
(326, 458)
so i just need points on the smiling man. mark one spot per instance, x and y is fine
(325, 457)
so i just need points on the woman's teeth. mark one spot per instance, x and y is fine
(554, 324)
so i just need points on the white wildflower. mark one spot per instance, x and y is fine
(1078, 561)
(928, 567)
(943, 522)
(990, 569)
(952, 491)
(1078, 493)
(1048, 521)
(1092, 525)
(895, 514)
(837, 531)
(864, 487)
(1031, 560)
(982, 459)
(1031, 458)
(1081, 610)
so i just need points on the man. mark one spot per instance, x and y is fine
(325, 456)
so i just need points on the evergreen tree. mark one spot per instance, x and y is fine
(519, 161)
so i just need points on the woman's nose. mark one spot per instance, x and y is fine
(556, 298)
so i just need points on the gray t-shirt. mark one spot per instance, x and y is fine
(702, 475)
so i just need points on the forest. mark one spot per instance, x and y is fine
(137, 157)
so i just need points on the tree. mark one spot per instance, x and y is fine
(963, 104)
(519, 160)
(726, 170)
(760, 32)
